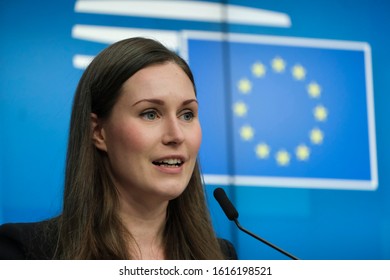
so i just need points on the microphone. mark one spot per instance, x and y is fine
(232, 214)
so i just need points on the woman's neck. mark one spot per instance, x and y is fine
(146, 223)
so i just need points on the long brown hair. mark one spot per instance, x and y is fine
(89, 227)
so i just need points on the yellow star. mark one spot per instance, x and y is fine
(258, 69)
(320, 113)
(262, 150)
(302, 152)
(240, 109)
(298, 72)
(314, 90)
(283, 158)
(244, 86)
(247, 132)
(316, 136)
(278, 64)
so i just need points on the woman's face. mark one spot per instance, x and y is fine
(152, 136)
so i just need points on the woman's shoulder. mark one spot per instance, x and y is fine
(27, 240)
(228, 249)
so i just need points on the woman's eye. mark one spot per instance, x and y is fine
(150, 115)
(188, 116)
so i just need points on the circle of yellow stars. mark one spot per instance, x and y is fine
(320, 113)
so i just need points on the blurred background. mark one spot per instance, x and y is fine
(294, 107)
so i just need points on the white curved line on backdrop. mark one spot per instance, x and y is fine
(186, 10)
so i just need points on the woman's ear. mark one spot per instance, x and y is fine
(98, 136)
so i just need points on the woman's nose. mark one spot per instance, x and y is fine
(173, 131)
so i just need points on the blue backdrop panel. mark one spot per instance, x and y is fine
(314, 108)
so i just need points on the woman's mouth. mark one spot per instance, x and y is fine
(172, 162)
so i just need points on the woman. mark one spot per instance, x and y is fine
(133, 188)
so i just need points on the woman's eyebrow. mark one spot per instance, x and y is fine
(186, 102)
(155, 101)
(161, 102)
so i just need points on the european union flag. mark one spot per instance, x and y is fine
(287, 112)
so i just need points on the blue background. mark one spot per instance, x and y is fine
(280, 110)
(37, 82)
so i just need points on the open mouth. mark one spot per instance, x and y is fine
(169, 163)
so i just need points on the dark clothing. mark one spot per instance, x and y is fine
(228, 249)
(27, 241)
(37, 241)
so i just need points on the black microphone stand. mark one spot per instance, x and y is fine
(264, 241)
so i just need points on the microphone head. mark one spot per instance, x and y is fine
(226, 205)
